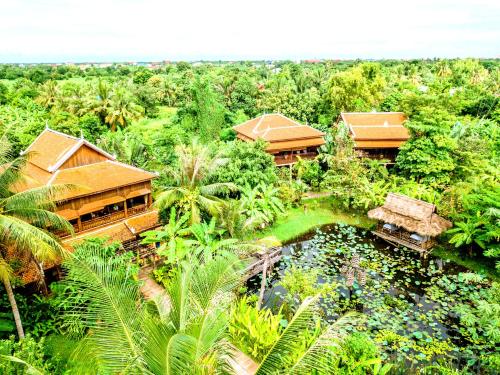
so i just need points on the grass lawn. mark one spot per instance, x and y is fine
(314, 213)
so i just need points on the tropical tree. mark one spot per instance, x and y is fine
(285, 358)
(261, 204)
(122, 109)
(233, 218)
(25, 220)
(49, 94)
(468, 232)
(100, 102)
(191, 192)
(208, 240)
(128, 335)
(172, 238)
(191, 335)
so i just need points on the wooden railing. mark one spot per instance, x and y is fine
(403, 237)
(102, 220)
(136, 210)
(293, 158)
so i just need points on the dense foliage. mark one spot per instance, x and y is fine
(214, 192)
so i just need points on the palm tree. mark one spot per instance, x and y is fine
(209, 242)
(122, 110)
(234, 219)
(318, 356)
(99, 102)
(128, 335)
(261, 204)
(49, 94)
(25, 218)
(191, 192)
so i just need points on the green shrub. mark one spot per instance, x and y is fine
(30, 351)
(252, 330)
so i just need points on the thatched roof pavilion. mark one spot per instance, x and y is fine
(411, 214)
(408, 222)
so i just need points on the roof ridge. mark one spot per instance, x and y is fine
(372, 113)
(130, 166)
(254, 131)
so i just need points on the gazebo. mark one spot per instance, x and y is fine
(408, 222)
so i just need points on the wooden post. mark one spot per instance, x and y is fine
(263, 281)
(125, 208)
(79, 223)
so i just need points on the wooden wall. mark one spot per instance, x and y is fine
(76, 204)
(85, 155)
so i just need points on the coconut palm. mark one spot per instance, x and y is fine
(122, 109)
(25, 218)
(190, 336)
(99, 102)
(128, 335)
(191, 192)
(49, 94)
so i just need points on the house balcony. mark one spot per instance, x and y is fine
(102, 218)
(404, 238)
(288, 159)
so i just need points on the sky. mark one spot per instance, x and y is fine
(155, 30)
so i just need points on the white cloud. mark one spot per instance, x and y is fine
(68, 30)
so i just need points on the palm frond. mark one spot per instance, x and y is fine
(5, 270)
(112, 310)
(302, 320)
(219, 188)
(316, 357)
(167, 198)
(178, 291)
(27, 238)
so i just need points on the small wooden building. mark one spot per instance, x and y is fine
(110, 199)
(376, 135)
(287, 139)
(408, 222)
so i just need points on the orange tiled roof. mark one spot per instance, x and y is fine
(275, 128)
(376, 129)
(99, 177)
(51, 149)
(138, 224)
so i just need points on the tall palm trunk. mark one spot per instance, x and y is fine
(15, 310)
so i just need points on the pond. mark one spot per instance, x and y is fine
(408, 300)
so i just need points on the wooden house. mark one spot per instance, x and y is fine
(108, 199)
(286, 139)
(376, 135)
(408, 222)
